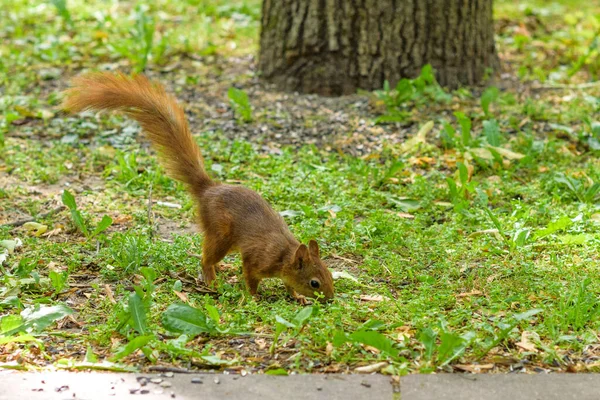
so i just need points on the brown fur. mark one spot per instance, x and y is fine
(231, 217)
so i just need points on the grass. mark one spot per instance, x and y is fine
(473, 244)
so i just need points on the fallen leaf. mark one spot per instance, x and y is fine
(474, 368)
(36, 228)
(482, 153)
(470, 294)
(53, 232)
(121, 219)
(525, 344)
(419, 138)
(167, 204)
(182, 296)
(109, 294)
(11, 245)
(511, 155)
(262, 344)
(369, 369)
(329, 349)
(405, 215)
(366, 297)
(343, 274)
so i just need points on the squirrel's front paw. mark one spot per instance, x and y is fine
(302, 300)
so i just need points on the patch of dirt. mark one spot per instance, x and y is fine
(166, 228)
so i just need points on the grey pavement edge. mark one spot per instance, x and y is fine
(92, 386)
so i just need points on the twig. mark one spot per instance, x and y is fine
(22, 222)
(343, 258)
(579, 86)
(150, 212)
(109, 294)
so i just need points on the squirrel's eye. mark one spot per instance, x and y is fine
(315, 284)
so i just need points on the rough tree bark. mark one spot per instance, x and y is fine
(334, 47)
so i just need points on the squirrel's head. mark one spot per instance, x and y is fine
(307, 274)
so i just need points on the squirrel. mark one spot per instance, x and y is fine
(231, 217)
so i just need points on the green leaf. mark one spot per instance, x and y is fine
(465, 126)
(592, 192)
(339, 338)
(10, 323)
(427, 338)
(527, 314)
(284, 322)
(213, 313)
(25, 267)
(520, 237)
(375, 339)
(22, 338)
(562, 223)
(463, 173)
(451, 347)
(240, 103)
(137, 311)
(580, 239)
(491, 131)
(79, 223)
(102, 225)
(278, 371)
(397, 116)
(39, 317)
(68, 200)
(132, 346)
(489, 96)
(302, 317)
(90, 357)
(182, 318)
(404, 204)
(448, 135)
(405, 91)
(214, 360)
(58, 280)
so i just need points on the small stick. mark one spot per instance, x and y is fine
(109, 294)
(22, 222)
(581, 86)
(150, 212)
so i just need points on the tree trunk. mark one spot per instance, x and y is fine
(334, 47)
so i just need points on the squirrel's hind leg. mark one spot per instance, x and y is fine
(214, 249)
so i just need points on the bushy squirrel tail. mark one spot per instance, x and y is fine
(158, 113)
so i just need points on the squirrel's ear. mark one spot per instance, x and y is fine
(301, 255)
(313, 248)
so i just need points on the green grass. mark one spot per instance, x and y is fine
(455, 251)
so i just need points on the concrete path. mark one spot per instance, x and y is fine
(92, 386)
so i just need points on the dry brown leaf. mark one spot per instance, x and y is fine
(182, 296)
(121, 219)
(474, 367)
(329, 349)
(53, 232)
(109, 294)
(366, 297)
(372, 349)
(405, 215)
(525, 344)
(261, 343)
(369, 369)
(470, 294)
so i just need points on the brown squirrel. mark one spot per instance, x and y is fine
(231, 217)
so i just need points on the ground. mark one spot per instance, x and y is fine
(462, 227)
